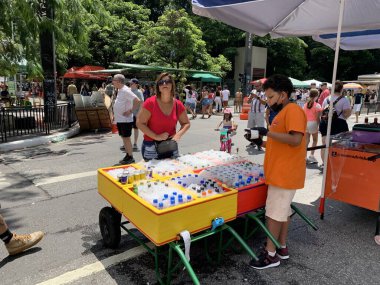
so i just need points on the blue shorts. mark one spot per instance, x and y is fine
(190, 105)
(205, 102)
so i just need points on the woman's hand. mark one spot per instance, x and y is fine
(162, 137)
(176, 137)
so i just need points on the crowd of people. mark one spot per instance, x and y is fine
(315, 103)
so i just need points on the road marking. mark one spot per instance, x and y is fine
(63, 178)
(95, 267)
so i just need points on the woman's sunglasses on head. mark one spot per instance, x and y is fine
(164, 81)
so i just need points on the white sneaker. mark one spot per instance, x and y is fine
(312, 159)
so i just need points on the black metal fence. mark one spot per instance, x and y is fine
(24, 121)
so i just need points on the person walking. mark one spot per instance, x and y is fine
(256, 117)
(218, 100)
(313, 115)
(190, 101)
(238, 101)
(15, 243)
(285, 150)
(325, 92)
(134, 85)
(342, 109)
(225, 96)
(358, 99)
(125, 104)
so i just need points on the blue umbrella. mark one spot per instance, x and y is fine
(358, 40)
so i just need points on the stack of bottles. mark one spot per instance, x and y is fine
(195, 162)
(160, 194)
(219, 156)
(198, 185)
(235, 175)
(127, 175)
(166, 167)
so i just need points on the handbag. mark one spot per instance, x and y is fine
(166, 148)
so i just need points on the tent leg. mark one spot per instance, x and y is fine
(337, 47)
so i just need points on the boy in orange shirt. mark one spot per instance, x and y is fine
(284, 165)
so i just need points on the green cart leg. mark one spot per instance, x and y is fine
(241, 241)
(186, 263)
(305, 218)
(255, 217)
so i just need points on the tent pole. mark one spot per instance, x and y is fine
(337, 47)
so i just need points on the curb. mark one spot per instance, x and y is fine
(58, 137)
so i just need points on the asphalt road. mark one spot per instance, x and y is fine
(54, 188)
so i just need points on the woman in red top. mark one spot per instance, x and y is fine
(159, 115)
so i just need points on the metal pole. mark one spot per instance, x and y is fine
(325, 158)
(247, 62)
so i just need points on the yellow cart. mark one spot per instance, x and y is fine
(163, 226)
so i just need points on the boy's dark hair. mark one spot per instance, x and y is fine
(338, 86)
(279, 83)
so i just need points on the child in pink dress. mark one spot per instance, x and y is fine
(313, 114)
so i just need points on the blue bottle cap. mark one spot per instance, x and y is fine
(172, 198)
(174, 193)
(180, 196)
(237, 184)
(155, 201)
(172, 202)
(160, 205)
(188, 197)
(240, 176)
(166, 196)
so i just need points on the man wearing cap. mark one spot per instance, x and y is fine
(134, 85)
(125, 104)
(258, 102)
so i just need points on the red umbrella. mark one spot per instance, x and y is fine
(81, 73)
(262, 81)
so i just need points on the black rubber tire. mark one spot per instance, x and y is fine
(109, 223)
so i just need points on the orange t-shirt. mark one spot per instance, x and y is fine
(285, 165)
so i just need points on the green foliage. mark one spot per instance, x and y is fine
(176, 42)
(110, 43)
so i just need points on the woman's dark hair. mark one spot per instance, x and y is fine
(279, 83)
(313, 93)
(188, 87)
(338, 87)
(162, 75)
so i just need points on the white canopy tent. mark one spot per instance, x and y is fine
(281, 18)
(317, 83)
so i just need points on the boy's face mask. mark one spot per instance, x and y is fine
(277, 107)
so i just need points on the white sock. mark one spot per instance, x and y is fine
(283, 246)
(271, 254)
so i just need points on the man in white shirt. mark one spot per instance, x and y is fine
(256, 116)
(225, 96)
(125, 104)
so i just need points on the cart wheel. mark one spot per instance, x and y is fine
(322, 216)
(109, 223)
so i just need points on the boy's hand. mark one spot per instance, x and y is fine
(262, 131)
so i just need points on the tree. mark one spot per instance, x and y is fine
(110, 43)
(176, 42)
(23, 21)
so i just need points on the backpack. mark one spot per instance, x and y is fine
(326, 110)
